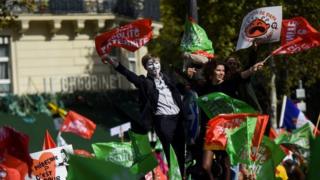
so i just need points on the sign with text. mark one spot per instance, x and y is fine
(50, 164)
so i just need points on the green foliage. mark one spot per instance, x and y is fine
(9, 10)
(222, 21)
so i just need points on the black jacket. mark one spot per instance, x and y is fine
(148, 97)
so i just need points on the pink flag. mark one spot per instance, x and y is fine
(131, 37)
(78, 124)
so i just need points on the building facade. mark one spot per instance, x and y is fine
(52, 49)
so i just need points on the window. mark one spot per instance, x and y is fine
(5, 82)
(132, 61)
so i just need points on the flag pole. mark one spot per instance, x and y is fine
(316, 128)
(268, 57)
(282, 110)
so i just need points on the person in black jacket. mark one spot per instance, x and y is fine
(160, 105)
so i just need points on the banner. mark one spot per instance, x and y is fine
(81, 168)
(116, 152)
(240, 141)
(131, 37)
(51, 163)
(299, 44)
(220, 103)
(268, 157)
(262, 25)
(292, 28)
(196, 41)
(78, 124)
(15, 144)
(215, 137)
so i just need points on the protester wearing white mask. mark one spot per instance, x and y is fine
(160, 105)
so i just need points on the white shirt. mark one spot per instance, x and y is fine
(166, 104)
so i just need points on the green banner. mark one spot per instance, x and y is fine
(240, 140)
(220, 103)
(116, 152)
(298, 139)
(268, 157)
(174, 171)
(144, 159)
(81, 168)
(314, 172)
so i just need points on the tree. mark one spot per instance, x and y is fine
(222, 20)
(10, 8)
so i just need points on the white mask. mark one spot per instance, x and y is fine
(153, 67)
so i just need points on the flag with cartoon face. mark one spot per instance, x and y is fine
(262, 25)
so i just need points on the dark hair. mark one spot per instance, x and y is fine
(147, 57)
(211, 66)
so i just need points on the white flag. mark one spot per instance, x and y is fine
(60, 140)
(262, 25)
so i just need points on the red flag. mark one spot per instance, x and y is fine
(297, 35)
(299, 44)
(292, 28)
(216, 139)
(78, 124)
(131, 37)
(8, 173)
(273, 134)
(16, 164)
(48, 142)
(15, 144)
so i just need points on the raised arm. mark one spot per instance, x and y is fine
(247, 73)
(131, 76)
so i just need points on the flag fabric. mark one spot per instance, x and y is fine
(215, 137)
(15, 144)
(268, 157)
(116, 152)
(313, 172)
(130, 36)
(295, 27)
(262, 25)
(196, 41)
(240, 140)
(299, 137)
(299, 44)
(219, 103)
(78, 124)
(144, 159)
(291, 117)
(16, 164)
(82, 168)
(260, 128)
(48, 142)
(174, 170)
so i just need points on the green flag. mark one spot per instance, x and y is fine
(195, 40)
(240, 140)
(117, 152)
(217, 103)
(300, 138)
(314, 172)
(81, 168)
(144, 159)
(174, 171)
(268, 157)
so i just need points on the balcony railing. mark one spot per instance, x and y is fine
(128, 8)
